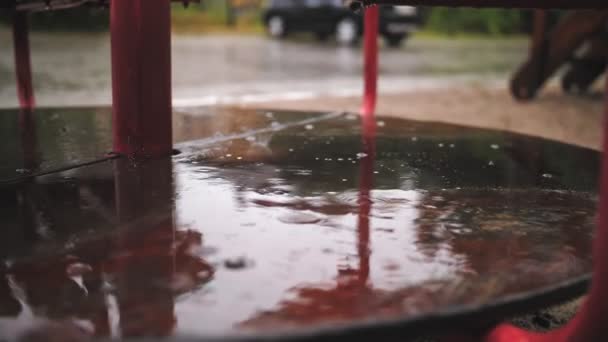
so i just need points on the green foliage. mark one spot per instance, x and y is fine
(80, 19)
(466, 20)
(216, 13)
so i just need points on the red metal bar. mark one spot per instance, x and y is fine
(141, 77)
(370, 52)
(539, 4)
(23, 65)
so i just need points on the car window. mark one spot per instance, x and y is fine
(319, 3)
(286, 3)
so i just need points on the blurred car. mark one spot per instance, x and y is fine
(333, 17)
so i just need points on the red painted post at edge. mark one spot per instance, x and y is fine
(141, 77)
(23, 64)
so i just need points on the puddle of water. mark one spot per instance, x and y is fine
(264, 235)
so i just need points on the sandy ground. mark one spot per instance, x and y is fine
(553, 115)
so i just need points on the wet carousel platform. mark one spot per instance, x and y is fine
(277, 225)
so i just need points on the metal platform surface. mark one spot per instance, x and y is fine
(436, 226)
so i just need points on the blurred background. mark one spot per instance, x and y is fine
(238, 52)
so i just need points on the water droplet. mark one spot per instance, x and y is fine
(440, 144)
(269, 115)
(547, 175)
(309, 127)
(361, 155)
(414, 138)
(228, 155)
(344, 180)
(317, 158)
(491, 163)
(340, 159)
(495, 146)
(291, 150)
(376, 172)
(452, 145)
(239, 158)
(381, 124)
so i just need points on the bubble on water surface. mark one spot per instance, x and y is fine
(237, 263)
(300, 218)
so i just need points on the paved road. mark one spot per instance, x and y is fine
(74, 69)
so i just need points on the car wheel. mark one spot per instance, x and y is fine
(347, 32)
(276, 26)
(395, 40)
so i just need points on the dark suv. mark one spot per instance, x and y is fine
(327, 17)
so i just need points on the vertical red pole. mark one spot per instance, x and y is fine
(370, 52)
(141, 77)
(21, 42)
(368, 130)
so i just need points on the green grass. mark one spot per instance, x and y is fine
(431, 34)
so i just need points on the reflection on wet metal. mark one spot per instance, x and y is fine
(292, 229)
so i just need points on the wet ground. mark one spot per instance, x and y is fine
(281, 222)
(74, 69)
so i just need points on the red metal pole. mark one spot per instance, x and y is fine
(141, 77)
(21, 42)
(370, 52)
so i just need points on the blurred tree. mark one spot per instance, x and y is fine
(78, 19)
(486, 21)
